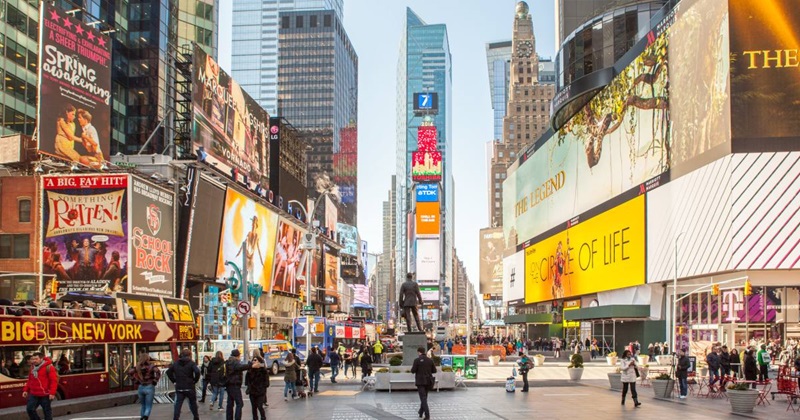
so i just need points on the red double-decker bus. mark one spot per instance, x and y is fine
(92, 339)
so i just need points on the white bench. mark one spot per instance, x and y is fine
(408, 381)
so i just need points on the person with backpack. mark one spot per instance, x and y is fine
(763, 359)
(216, 378)
(333, 358)
(204, 376)
(40, 389)
(257, 381)
(233, 383)
(525, 366)
(146, 375)
(184, 374)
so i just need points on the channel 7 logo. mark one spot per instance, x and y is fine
(426, 101)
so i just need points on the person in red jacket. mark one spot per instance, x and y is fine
(41, 386)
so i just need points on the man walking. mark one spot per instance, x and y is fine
(335, 360)
(377, 350)
(763, 358)
(184, 374)
(423, 370)
(233, 383)
(41, 386)
(314, 365)
(713, 367)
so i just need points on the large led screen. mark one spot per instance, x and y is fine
(428, 261)
(427, 220)
(207, 201)
(514, 278)
(287, 259)
(491, 267)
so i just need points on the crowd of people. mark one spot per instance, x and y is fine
(85, 309)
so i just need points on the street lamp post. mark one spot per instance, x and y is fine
(309, 216)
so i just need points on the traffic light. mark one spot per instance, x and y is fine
(748, 288)
(715, 290)
(251, 323)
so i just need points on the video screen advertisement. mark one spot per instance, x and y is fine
(227, 122)
(74, 114)
(428, 261)
(514, 278)
(491, 266)
(287, 261)
(85, 237)
(426, 166)
(427, 220)
(245, 220)
(330, 268)
(152, 239)
(594, 253)
(207, 202)
(349, 235)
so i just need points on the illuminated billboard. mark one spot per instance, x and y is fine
(287, 259)
(227, 122)
(603, 252)
(429, 293)
(331, 276)
(427, 219)
(426, 138)
(152, 239)
(427, 193)
(345, 164)
(428, 101)
(426, 166)
(428, 261)
(430, 314)
(514, 278)
(491, 266)
(349, 235)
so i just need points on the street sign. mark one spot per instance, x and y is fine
(308, 307)
(243, 307)
(309, 312)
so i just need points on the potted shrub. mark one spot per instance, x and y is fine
(663, 385)
(615, 379)
(494, 360)
(575, 367)
(446, 377)
(382, 378)
(643, 359)
(396, 361)
(612, 358)
(742, 398)
(538, 360)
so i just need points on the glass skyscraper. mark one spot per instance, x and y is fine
(254, 59)
(498, 58)
(424, 65)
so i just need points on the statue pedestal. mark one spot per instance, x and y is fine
(411, 342)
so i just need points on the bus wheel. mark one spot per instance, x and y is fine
(275, 368)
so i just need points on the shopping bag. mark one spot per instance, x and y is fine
(514, 372)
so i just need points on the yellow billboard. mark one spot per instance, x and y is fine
(602, 253)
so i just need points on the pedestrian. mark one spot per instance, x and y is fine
(184, 374)
(682, 373)
(334, 360)
(314, 365)
(41, 386)
(233, 383)
(377, 350)
(204, 377)
(216, 378)
(342, 350)
(449, 346)
(797, 368)
(725, 362)
(257, 381)
(713, 361)
(366, 365)
(423, 370)
(763, 358)
(146, 375)
(525, 365)
(735, 362)
(629, 370)
(750, 366)
(289, 377)
(348, 362)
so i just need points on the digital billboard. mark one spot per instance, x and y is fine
(426, 166)
(427, 193)
(287, 259)
(514, 278)
(428, 261)
(231, 127)
(491, 266)
(345, 164)
(349, 235)
(426, 138)
(74, 114)
(152, 239)
(429, 293)
(361, 294)
(331, 267)
(427, 219)
(428, 101)
(207, 202)
(593, 254)
(430, 314)
(246, 220)
(85, 241)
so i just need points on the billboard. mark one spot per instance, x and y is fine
(227, 122)
(491, 267)
(427, 219)
(207, 201)
(427, 193)
(85, 241)
(428, 261)
(74, 115)
(430, 314)
(361, 294)
(426, 166)
(618, 141)
(429, 293)
(331, 267)
(514, 278)
(345, 164)
(428, 101)
(593, 254)
(287, 259)
(426, 138)
(349, 236)
(246, 220)
(152, 239)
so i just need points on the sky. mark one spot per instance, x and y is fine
(375, 28)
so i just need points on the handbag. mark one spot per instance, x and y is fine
(514, 372)
(636, 370)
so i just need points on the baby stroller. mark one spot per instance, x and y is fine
(302, 384)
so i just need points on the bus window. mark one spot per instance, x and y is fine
(185, 313)
(158, 311)
(95, 358)
(64, 359)
(136, 307)
(160, 354)
(174, 314)
(16, 362)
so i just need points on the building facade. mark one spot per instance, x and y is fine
(256, 26)
(385, 294)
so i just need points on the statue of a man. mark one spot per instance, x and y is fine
(410, 297)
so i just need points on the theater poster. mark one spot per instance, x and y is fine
(152, 239)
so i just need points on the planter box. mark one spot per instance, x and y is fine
(575, 373)
(382, 381)
(538, 360)
(663, 387)
(612, 361)
(615, 380)
(742, 401)
(643, 359)
(664, 360)
(494, 360)
(447, 380)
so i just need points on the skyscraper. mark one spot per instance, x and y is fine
(256, 25)
(318, 95)
(385, 290)
(424, 65)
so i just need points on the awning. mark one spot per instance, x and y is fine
(544, 318)
(608, 312)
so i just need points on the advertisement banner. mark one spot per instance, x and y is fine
(427, 193)
(514, 278)
(604, 252)
(426, 138)
(429, 294)
(491, 267)
(35, 331)
(231, 127)
(426, 166)
(428, 264)
(246, 220)
(74, 115)
(427, 219)
(345, 164)
(349, 236)
(287, 259)
(361, 294)
(86, 232)
(331, 277)
(430, 314)
(152, 239)
(618, 141)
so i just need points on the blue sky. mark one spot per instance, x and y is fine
(375, 28)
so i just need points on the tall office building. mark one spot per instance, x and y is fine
(256, 25)
(527, 111)
(318, 95)
(385, 295)
(424, 65)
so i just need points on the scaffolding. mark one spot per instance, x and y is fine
(183, 101)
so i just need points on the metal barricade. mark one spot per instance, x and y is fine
(163, 389)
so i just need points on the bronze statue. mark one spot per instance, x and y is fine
(410, 297)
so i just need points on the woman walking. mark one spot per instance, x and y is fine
(257, 381)
(750, 366)
(204, 375)
(146, 375)
(629, 370)
(289, 377)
